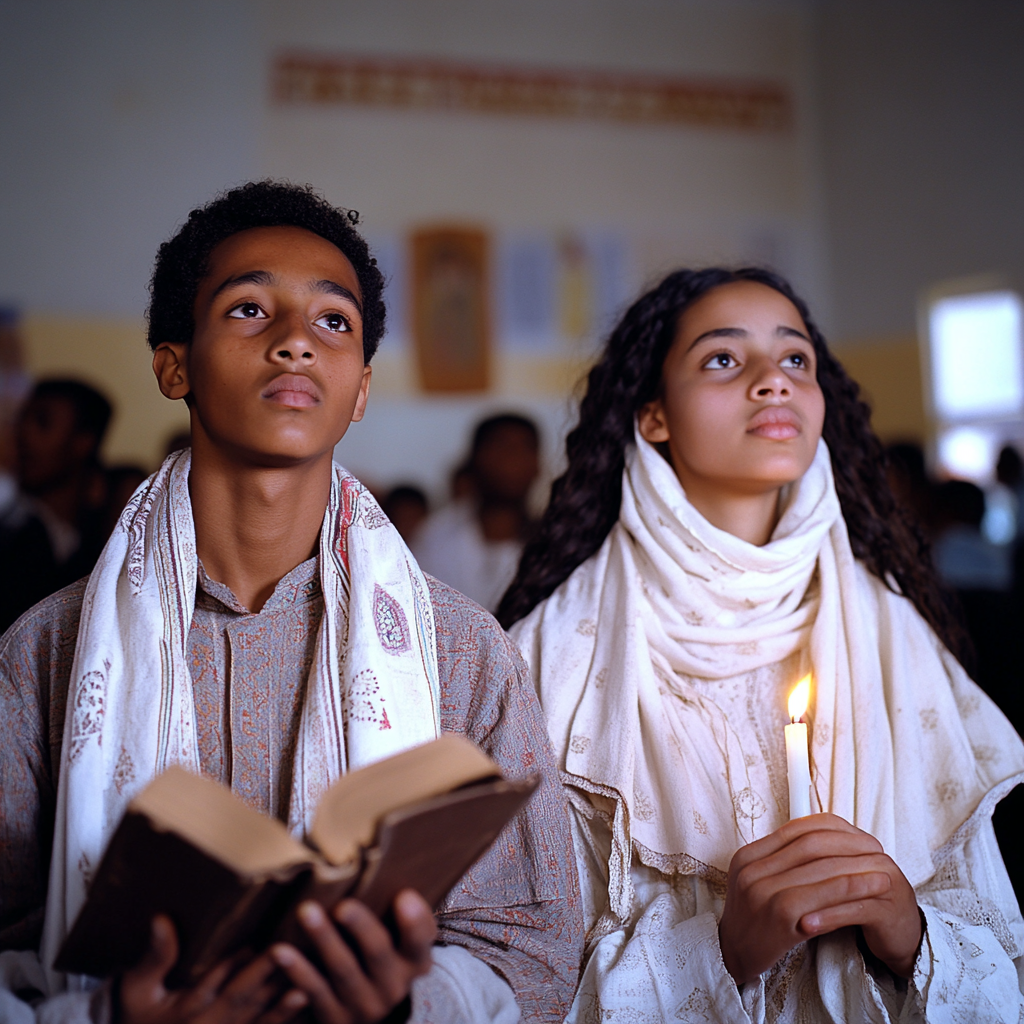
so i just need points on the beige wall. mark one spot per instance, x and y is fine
(112, 355)
(888, 369)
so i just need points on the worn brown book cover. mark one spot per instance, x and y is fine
(230, 878)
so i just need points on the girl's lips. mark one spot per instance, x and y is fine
(775, 425)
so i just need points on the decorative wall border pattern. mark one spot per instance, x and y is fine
(312, 79)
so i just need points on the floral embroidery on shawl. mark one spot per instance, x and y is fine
(392, 625)
(90, 705)
(371, 515)
(363, 703)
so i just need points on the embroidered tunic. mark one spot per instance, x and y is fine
(516, 911)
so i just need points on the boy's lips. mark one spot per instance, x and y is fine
(775, 423)
(294, 390)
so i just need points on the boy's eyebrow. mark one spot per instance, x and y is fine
(333, 288)
(263, 277)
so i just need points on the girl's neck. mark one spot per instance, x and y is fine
(751, 517)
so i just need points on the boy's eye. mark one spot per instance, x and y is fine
(333, 322)
(247, 311)
(721, 361)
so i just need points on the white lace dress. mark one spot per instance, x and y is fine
(664, 962)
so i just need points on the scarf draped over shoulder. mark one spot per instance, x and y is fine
(903, 744)
(372, 690)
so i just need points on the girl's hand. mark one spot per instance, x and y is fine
(250, 996)
(813, 876)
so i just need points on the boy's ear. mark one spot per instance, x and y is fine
(170, 364)
(364, 393)
(651, 422)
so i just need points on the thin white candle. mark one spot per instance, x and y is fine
(797, 761)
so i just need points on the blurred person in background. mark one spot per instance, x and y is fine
(54, 533)
(406, 506)
(121, 483)
(15, 384)
(1010, 477)
(461, 483)
(474, 543)
(177, 441)
(981, 573)
(908, 477)
(965, 558)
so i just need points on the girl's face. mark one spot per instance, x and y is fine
(740, 410)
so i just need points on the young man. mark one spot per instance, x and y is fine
(474, 544)
(256, 617)
(54, 533)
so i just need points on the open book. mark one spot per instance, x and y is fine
(231, 878)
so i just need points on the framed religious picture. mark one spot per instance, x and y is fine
(450, 315)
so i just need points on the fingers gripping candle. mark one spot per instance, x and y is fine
(796, 752)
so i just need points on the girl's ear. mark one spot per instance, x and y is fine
(170, 364)
(651, 422)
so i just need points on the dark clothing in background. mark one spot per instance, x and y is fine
(29, 569)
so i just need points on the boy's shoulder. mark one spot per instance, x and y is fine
(48, 630)
(463, 625)
(481, 671)
(37, 654)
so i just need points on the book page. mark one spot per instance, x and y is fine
(347, 817)
(217, 822)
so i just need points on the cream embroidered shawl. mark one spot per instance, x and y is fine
(903, 743)
(373, 688)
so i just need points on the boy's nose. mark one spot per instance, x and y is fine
(295, 347)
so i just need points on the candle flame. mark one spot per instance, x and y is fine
(799, 699)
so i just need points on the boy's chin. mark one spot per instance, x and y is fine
(276, 453)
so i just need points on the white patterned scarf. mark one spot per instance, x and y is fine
(903, 744)
(372, 688)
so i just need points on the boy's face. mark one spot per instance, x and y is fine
(274, 372)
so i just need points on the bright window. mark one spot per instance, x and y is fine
(976, 362)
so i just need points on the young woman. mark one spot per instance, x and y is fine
(724, 528)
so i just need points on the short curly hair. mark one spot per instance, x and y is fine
(184, 260)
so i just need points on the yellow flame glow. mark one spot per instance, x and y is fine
(799, 699)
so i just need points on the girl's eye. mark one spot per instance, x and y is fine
(721, 361)
(247, 311)
(797, 360)
(333, 322)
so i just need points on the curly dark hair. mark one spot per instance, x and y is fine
(585, 500)
(183, 261)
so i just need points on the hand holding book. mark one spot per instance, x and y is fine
(234, 883)
(346, 991)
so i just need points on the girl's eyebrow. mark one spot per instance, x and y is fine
(781, 331)
(784, 332)
(718, 332)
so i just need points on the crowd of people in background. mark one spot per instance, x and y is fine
(59, 503)
(977, 541)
